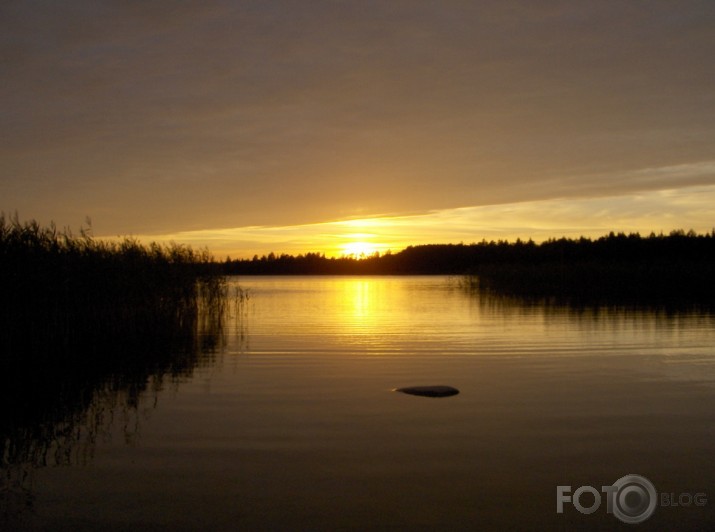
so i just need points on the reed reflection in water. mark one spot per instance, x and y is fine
(63, 391)
(292, 424)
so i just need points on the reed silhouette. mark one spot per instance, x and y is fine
(87, 327)
(60, 290)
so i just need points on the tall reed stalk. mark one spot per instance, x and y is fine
(81, 319)
(59, 290)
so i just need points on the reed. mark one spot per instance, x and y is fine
(59, 290)
(82, 318)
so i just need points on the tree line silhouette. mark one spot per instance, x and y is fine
(675, 266)
(445, 259)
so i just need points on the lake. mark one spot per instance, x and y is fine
(291, 422)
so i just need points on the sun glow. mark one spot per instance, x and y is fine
(359, 249)
(656, 210)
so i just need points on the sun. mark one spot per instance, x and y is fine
(359, 249)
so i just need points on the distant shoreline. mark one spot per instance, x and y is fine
(45, 269)
(675, 268)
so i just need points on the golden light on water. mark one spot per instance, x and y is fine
(360, 292)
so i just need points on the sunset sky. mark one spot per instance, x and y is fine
(355, 126)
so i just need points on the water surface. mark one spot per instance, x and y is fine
(293, 424)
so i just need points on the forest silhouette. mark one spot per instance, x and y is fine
(669, 268)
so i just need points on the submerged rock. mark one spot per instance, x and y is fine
(429, 391)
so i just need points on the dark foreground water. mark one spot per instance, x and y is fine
(293, 424)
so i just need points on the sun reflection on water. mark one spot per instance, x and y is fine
(360, 298)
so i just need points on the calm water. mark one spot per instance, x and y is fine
(293, 424)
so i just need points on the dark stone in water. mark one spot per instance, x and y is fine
(429, 391)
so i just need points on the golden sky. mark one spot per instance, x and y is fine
(343, 126)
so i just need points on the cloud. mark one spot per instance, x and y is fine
(652, 211)
(168, 116)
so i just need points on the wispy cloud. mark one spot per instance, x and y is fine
(661, 210)
(169, 116)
